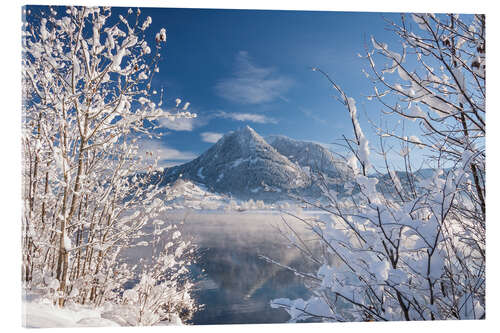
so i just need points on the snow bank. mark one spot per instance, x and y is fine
(41, 313)
(37, 314)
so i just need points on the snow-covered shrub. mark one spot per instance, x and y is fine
(410, 244)
(260, 204)
(232, 206)
(162, 293)
(87, 191)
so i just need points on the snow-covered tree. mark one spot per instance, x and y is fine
(409, 244)
(87, 99)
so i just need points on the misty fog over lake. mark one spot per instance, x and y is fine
(237, 285)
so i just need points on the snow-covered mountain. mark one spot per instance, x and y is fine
(243, 164)
(308, 155)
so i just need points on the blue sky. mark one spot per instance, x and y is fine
(253, 67)
(248, 67)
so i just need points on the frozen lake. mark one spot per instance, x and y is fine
(237, 285)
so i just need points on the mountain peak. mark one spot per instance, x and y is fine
(247, 130)
(240, 163)
(247, 136)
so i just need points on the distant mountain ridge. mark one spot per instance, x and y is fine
(244, 165)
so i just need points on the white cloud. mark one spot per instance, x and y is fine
(253, 117)
(176, 122)
(211, 137)
(166, 156)
(313, 115)
(251, 84)
(180, 124)
(168, 164)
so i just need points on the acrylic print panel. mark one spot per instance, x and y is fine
(189, 166)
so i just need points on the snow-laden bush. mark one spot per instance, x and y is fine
(410, 244)
(87, 191)
(162, 290)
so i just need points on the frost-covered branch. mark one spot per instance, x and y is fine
(409, 244)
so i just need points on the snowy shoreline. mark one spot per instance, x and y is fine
(41, 313)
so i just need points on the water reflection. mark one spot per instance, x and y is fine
(236, 285)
